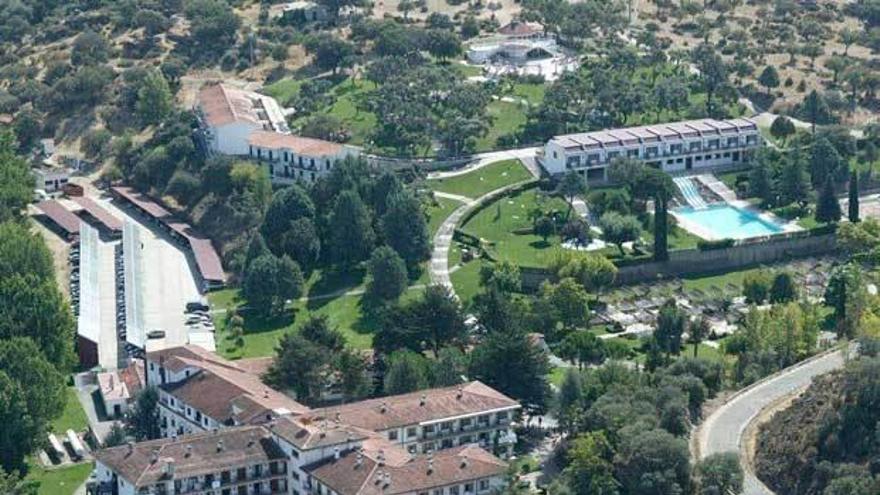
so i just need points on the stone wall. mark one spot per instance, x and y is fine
(696, 262)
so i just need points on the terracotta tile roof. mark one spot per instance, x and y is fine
(297, 144)
(122, 384)
(223, 105)
(409, 409)
(366, 474)
(519, 28)
(221, 389)
(100, 213)
(306, 434)
(191, 455)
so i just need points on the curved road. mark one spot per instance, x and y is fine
(723, 430)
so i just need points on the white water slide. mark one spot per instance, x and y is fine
(691, 192)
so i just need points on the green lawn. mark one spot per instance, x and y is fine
(556, 376)
(73, 417)
(703, 282)
(466, 280)
(484, 180)
(506, 118)
(533, 93)
(63, 481)
(261, 335)
(498, 222)
(284, 90)
(437, 213)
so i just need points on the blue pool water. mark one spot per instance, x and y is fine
(728, 222)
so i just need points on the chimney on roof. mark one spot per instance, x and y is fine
(338, 417)
(387, 480)
(359, 459)
(430, 465)
(383, 407)
(423, 399)
(130, 447)
(189, 449)
(378, 477)
(168, 468)
(154, 456)
(464, 462)
(460, 392)
(220, 445)
(380, 457)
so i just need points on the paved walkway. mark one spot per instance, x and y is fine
(718, 187)
(724, 429)
(526, 155)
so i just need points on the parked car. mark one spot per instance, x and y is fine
(156, 334)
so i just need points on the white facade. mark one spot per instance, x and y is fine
(228, 116)
(292, 158)
(679, 146)
(50, 180)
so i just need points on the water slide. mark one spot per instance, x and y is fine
(691, 192)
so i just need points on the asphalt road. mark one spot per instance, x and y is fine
(723, 430)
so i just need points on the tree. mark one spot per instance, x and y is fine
(317, 330)
(652, 461)
(89, 48)
(782, 127)
(760, 183)
(698, 331)
(443, 44)
(31, 394)
(783, 289)
(671, 322)
(853, 197)
(12, 484)
(330, 52)
(720, 474)
(583, 347)
(570, 187)
(116, 437)
(816, 109)
(405, 229)
(544, 227)
(449, 368)
(503, 276)
(591, 469)
(407, 372)
(290, 280)
(28, 128)
(793, 184)
(827, 206)
(351, 231)
(353, 380)
(756, 286)
(288, 205)
(142, 421)
(213, 24)
(845, 293)
(154, 99)
(825, 162)
(34, 308)
(565, 304)
(184, 187)
(300, 365)
(16, 182)
(769, 78)
(618, 229)
(270, 281)
(388, 277)
(712, 73)
(523, 378)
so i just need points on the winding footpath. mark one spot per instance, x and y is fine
(439, 273)
(724, 429)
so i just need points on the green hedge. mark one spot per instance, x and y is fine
(712, 245)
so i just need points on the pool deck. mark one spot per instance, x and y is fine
(708, 234)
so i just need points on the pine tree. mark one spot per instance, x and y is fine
(854, 196)
(828, 207)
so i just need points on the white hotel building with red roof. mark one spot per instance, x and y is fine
(245, 123)
(672, 147)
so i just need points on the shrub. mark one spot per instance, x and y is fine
(718, 244)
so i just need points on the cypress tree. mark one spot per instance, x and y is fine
(661, 227)
(827, 207)
(854, 196)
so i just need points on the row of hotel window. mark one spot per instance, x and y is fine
(287, 157)
(463, 489)
(653, 151)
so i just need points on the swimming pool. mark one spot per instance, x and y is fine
(723, 221)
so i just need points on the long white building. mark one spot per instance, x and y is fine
(672, 147)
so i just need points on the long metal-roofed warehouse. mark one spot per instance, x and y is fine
(206, 258)
(100, 214)
(67, 222)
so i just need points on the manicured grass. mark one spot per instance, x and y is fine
(706, 282)
(284, 90)
(498, 222)
(484, 180)
(437, 213)
(556, 376)
(467, 70)
(73, 417)
(261, 334)
(466, 280)
(533, 93)
(809, 222)
(506, 118)
(62, 481)
(360, 122)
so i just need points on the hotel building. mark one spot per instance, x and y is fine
(673, 147)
